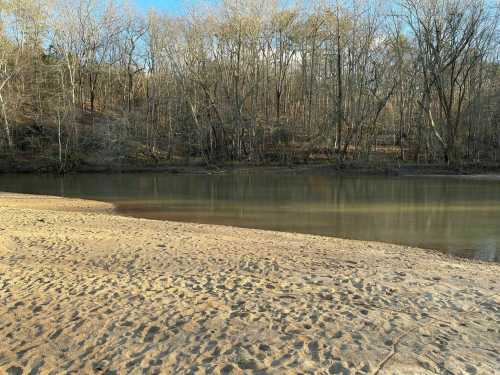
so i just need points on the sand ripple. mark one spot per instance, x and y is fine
(86, 293)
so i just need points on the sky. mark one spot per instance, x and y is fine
(171, 6)
(180, 7)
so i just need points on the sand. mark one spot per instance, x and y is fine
(83, 291)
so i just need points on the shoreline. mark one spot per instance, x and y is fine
(84, 290)
(68, 204)
(113, 209)
(349, 169)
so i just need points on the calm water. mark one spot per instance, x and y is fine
(455, 215)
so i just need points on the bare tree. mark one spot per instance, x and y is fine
(254, 81)
(452, 37)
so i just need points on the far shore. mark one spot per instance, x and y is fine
(85, 291)
(320, 167)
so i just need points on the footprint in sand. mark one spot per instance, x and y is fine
(151, 333)
(14, 370)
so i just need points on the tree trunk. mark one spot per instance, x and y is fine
(8, 135)
(340, 115)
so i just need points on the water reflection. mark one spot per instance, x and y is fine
(457, 216)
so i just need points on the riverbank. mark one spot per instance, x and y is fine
(348, 168)
(84, 291)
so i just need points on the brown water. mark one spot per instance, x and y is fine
(458, 216)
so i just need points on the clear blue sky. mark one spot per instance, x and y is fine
(171, 6)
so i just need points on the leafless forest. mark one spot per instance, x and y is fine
(254, 81)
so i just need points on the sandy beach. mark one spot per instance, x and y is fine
(83, 291)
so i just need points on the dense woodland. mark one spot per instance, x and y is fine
(89, 81)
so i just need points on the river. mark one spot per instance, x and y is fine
(458, 216)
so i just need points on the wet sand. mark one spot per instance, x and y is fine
(84, 291)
